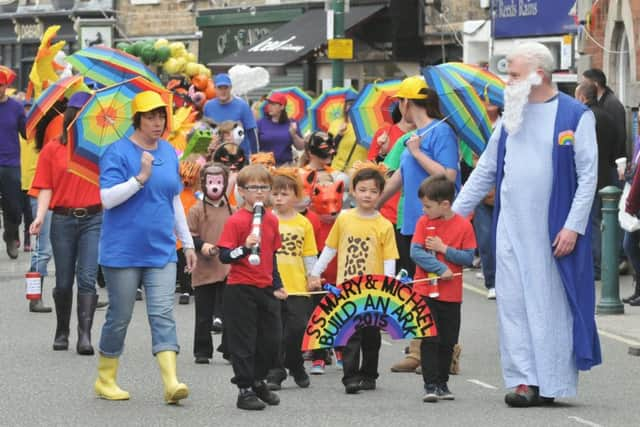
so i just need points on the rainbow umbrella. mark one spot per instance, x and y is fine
(328, 107)
(109, 66)
(462, 107)
(298, 103)
(485, 83)
(104, 119)
(9, 74)
(54, 93)
(372, 110)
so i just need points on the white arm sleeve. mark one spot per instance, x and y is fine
(390, 267)
(309, 262)
(118, 194)
(325, 258)
(181, 227)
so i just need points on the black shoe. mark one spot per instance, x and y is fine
(352, 387)
(430, 393)
(201, 360)
(523, 396)
(636, 291)
(444, 393)
(86, 310)
(248, 400)
(266, 395)
(139, 295)
(547, 401)
(301, 379)
(367, 384)
(37, 306)
(275, 378)
(623, 267)
(216, 326)
(184, 299)
(635, 302)
(12, 249)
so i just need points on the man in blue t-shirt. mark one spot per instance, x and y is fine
(225, 106)
(12, 124)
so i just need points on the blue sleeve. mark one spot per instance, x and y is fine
(277, 280)
(445, 148)
(426, 260)
(462, 257)
(248, 120)
(112, 168)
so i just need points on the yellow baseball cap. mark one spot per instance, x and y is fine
(147, 101)
(411, 88)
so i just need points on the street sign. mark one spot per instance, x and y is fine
(340, 49)
(528, 18)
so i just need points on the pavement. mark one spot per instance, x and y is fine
(41, 387)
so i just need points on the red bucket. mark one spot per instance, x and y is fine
(33, 285)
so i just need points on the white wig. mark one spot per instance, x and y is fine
(536, 54)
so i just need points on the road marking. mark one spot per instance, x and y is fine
(583, 421)
(482, 384)
(602, 332)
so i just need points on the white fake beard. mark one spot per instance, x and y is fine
(516, 96)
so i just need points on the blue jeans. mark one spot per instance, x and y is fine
(41, 254)
(75, 251)
(159, 288)
(482, 225)
(631, 244)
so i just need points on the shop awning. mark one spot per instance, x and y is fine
(294, 39)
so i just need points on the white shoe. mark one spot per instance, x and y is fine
(491, 293)
(479, 275)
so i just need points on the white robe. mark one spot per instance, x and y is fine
(534, 318)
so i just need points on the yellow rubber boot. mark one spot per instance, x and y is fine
(173, 390)
(105, 385)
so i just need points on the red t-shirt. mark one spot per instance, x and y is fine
(455, 232)
(235, 233)
(390, 209)
(69, 190)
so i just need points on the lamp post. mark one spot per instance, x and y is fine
(337, 65)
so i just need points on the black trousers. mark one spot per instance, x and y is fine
(404, 251)
(368, 341)
(295, 312)
(436, 352)
(205, 297)
(182, 277)
(253, 331)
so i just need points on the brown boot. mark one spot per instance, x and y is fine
(454, 369)
(412, 361)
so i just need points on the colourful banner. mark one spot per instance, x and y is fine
(368, 300)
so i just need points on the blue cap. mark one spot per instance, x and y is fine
(351, 96)
(222, 79)
(78, 99)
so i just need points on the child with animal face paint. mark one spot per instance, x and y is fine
(206, 221)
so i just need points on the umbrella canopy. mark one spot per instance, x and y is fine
(486, 84)
(298, 104)
(104, 119)
(47, 99)
(372, 110)
(462, 106)
(8, 73)
(109, 66)
(328, 107)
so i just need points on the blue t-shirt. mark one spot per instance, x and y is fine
(140, 231)
(275, 137)
(12, 122)
(441, 145)
(236, 110)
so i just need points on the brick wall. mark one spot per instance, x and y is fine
(168, 17)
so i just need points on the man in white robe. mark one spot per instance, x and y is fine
(542, 296)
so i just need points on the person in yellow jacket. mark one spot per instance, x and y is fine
(349, 151)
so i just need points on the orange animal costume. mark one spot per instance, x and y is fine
(190, 174)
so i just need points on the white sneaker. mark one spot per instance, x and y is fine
(491, 293)
(479, 275)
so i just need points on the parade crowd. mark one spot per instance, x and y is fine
(255, 227)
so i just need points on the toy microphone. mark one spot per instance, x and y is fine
(258, 211)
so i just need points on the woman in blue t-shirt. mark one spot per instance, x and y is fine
(276, 132)
(140, 191)
(432, 150)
